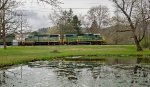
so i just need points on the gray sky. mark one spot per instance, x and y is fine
(37, 14)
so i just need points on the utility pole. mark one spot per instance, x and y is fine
(21, 28)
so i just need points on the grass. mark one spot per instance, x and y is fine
(17, 55)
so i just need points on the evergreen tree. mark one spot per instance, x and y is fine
(76, 24)
(70, 23)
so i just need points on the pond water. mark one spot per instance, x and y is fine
(92, 73)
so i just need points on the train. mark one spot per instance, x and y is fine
(66, 39)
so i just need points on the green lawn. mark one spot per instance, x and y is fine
(17, 55)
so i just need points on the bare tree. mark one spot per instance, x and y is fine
(7, 18)
(55, 17)
(100, 14)
(54, 3)
(135, 11)
(2, 5)
(118, 25)
(85, 23)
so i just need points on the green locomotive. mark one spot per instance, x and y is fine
(42, 40)
(92, 39)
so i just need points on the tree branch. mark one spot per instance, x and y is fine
(133, 1)
(3, 4)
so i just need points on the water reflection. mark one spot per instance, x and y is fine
(79, 73)
(2, 78)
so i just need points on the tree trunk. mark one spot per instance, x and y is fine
(4, 42)
(4, 30)
(137, 43)
(4, 36)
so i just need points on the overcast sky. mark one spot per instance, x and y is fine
(37, 13)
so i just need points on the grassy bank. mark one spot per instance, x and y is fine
(17, 55)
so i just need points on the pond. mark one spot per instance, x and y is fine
(108, 72)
